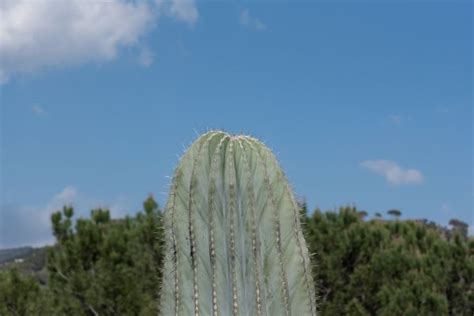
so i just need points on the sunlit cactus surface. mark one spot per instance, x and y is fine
(234, 244)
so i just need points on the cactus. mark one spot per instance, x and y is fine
(233, 239)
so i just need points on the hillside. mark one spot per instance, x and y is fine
(28, 260)
(9, 255)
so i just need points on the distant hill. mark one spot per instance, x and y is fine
(27, 260)
(9, 255)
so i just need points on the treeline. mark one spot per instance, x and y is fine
(105, 266)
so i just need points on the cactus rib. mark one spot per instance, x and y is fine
(232, 234)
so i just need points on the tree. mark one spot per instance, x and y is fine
(109, 266)
(394, 213)
(22, 295)
(389, 268)
(362, 214)
(459, 226)
(106, 266)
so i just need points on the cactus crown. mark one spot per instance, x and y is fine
(234, 244)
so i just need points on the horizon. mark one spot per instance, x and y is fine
(365, 104)
(369, 217)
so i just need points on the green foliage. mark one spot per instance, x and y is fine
(99, 266)
(107, 266)
(27, 260)
(234, 243)
(21, 295)
(389, 268)
(459, 226)
(395, 213)
(375, 267)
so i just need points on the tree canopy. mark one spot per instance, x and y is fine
(395, 213)
(105, 266)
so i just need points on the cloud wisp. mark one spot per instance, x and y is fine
(42, 34)
(395, 119)
(37, 109)
(182, 10)
(145, 58)
(392, 172)
(251, 22)
(23, 225)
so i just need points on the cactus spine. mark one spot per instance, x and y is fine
(234, 243)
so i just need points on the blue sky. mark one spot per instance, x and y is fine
(364, 103)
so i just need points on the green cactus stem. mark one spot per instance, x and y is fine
(234, 244)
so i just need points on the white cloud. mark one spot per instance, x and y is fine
(41, 216)
(37, 109)
(251, 22)
(183, 10)
(393, 173)
(42, 34)
(31, 225)
(23, 225)
(119, 208)
(65, 197)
